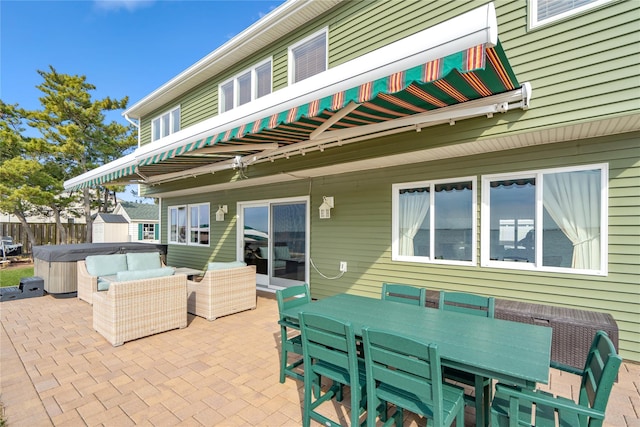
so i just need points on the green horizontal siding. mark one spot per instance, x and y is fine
(583, 67)
(199, 104)
(359, 232)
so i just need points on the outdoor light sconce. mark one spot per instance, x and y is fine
(325, 207)
(222, 209)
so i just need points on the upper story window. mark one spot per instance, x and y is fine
(545, 11)
(165, 124)
(249, 85)
(551, 220)
(189, 224)
(435, 221)
(308, 57)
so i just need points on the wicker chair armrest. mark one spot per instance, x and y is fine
(87, 284)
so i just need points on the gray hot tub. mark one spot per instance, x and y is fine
(56, 264)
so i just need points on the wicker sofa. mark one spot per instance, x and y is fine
(101, 270)
(225, 288)
(138, 308)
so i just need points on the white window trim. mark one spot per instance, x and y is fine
(395, 227)
(159, 118)
(533, 13)
(538, 174)
(254, 86)
(291, 63)
(187, 241)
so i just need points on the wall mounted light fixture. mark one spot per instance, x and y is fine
(325, 207)
(222, 209)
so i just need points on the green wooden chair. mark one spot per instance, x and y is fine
(291, 342)
(329, 348)
(404, 293)
(512, 406)
(408, 374)
(478, 306)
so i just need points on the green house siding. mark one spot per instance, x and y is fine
(583, 70)
(359, 232)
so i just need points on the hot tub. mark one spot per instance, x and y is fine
(56, 264)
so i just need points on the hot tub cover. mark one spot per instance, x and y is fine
(69, 253)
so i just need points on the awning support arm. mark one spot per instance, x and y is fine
(333, 120)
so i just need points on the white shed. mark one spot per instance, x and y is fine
(110, 228)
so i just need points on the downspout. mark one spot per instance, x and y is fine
(136, 124)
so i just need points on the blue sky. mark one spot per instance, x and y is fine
(123, 47)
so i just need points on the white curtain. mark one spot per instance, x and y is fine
(573, 201)
(414, 207)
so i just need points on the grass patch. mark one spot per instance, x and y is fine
(12, 276)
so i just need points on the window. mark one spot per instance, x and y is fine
(165, 124)
(199, 225)
(191, 221)
(435, 221)
(308, 57)
(148, 232)
(553, 220)
(545, 11)
(249, 85)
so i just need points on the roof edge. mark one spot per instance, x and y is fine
(257, 30)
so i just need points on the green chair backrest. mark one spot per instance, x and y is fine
(292, 297)
(467, 303)
(600, 372)
(404, 293)
(408, 367)
(326, 340)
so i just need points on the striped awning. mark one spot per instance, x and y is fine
(120, 170)
(451, 67)
(475, 73)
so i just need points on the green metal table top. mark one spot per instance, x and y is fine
(511, 352)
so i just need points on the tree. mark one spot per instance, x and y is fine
(25, 183)
(73, 126)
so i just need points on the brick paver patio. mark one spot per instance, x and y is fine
(55, 370)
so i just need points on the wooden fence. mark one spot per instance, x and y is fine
(45, 233)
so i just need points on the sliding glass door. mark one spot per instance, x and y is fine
(274, 237)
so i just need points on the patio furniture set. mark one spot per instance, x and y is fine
(135, 295)
(394, 352)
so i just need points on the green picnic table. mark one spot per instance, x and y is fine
(511, 352)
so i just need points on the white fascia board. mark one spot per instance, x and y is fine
(114, 166)
(476, 27)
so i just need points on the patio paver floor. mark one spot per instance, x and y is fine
(56, 370)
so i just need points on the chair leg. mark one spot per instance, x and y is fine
(460, 417)
(283, 353)
(306, 412)
(399, 416)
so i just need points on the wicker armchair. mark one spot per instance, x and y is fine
(138, 308)
(222, 292)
